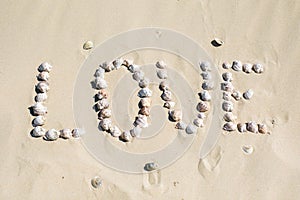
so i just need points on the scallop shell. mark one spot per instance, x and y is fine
(145, 102)
(96, 182)
(102, 94)
(229, 126)
(99, 72)
(258, 68)
(201, 115)
(144, 83)
(227, 76)
(45, 67)
(42, 87)
(38, 131)
(167, 95)
(117, 63)
(236, 95)
(205, 66)
(247, 149)
(198, 122)
(41, 97)
(237, 65)
(138, 75)
(206, 76)
(134, 68)
(115, 131)
(39, 109)
(207, 85)
(180, 125)
(43, 76)
(248, 94)
(227, 86)
(104, 113)
(125, 136)
(229, 117)
(102, 104)
(227, 106)
(252, 127)
(169, 104)
(51, 135)
(65, 133)
(161, 64)
(175, 115)
(163, 85)
(191, 129)
(105, 124)
(77, 132)
(203, 106)
(247, 68)
(262, 128)
(142, 121)
(145, 92)
(127, 62)
(88, 45)
(136, 131)
(205, 96)
(226, 96)
(226, 65)
(38, 121)
(242, 127)
(106, 66)
(100, 83)
(151, 166)
(162, 74)
(144, 111)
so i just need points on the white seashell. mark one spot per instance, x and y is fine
(151, 166)
(41, 97)
(201, 115)
(144, 111)
(229, 117)
(169, 104)
(99, 72)
(65, 133)
(39, 109)
(51, 135)
(236, 95)
(237, 65)
(145, 92)
(115, 131)
(134, 68)
(205, 66)
(42, 87)
(161, 64)
(162, 74)
(205, 96)
(167, 95)
(38, 121)
(203, 106)
(105, 124)
(38, 131)
(96, 182)
(106, 66)
(100, 83)
(77, 132)
(118, 63)
(229, 126)
(145, 102)
(252, 127)
(102, 94)
(102, 104)
(43, 76)
(206, 76)
(144, 83)
(138, 75)
(227, 106)
(136, 131)
(207, 85)
(142, 121)
(247, 149)
(88, 45)
(227, 76)
(180, 125)
(258, 68)
(45, 67)
(247, 68)
(198, 122)
(248, 94)
(226, 65)
(126, 136)
(226, 96)
(104, 113)
(175, 115)
(227, 86)
(191, 129)
(163, 85)
(242, 127)
(262, 128)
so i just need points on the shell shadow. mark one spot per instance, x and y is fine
(215, 43)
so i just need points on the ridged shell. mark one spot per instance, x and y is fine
(169, 104)
(144, 111)
(102, 94)
(227, 86)
(206, 76)
(138, 75)
(136, 131)
(248, 94)
(201, 115)
(77, 132)
(144, 83)
(237, 65)
(180, 125)
(262, 128)
(198, 122)
(42, 87)
(104, 113)
(45, 67)
(41, 97)
(142, 121)
(126, 136)
(227, 106)
(237, 95)
(226, 65)
(175, 115)
(39, 109)
(227, 76)
(191, 129)
(88, 45)
(229, 117)
(96, 182)
(252, 127)
(163, 85)
(258, 68)
(205, 66)
(161, 64)
(51, 135)
(247, 68)
(100, 83)
(242, 127)
(229, 126)
(151, 166)
(207, 85)
(226, 96)
(118, 63)
(145, 92)
(145, 102)
(38, 131)
(65, 133)
(102, 104)
(134, 68)
(106, 66)
(38, 121)
(247, 149)
(105, 124)
(115, 131)
(203, 106)
(166, 95)
(162, 74)
(205, 96)
(99, 72)
(43, 76)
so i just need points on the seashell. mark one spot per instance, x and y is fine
(88, 45)
(102, 94)
(141, 120)
(237, 65)
(144, 83)
(77, 132)
(202, 106)
(207, 86)
(242, 127)
(262, 128)
(100, 83)
(258, 68)
(134, 68)
(105, 124)
(247, 67)
(125, 136)
(145, 102)
(226, 96)
(99, 72)
(206, 76)
(138, 75)
(247, 149)
(145, 92)
(236, 95)
(104, 113)
(205, 66)
(166, 95)
(162, 74)
(252, 127)
(115, 131)
(102, 104)
(169, 104)
(161, 64)
(39, 109)
(96, 182)
(175, 115)
(201, 115)
(42, 87)
(118, 63)
(229, 117)
(229, 126)
(191, 129)
(227, 86)
(144, 111)
(227, 76)
(38, 131)
(226, 65)
(217, 42)
(45, 67)
(227, 106)
(43, 76)
(106, 66)
(136, 131)
(127, 62)
(248, 94)
(38, 121)
(163, 85)
(41, 97)
(151, 166)
(205, 96)
(51, 135)
(198, 122)
(65, 133)
(180, 125)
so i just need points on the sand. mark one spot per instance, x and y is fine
(253, 31)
